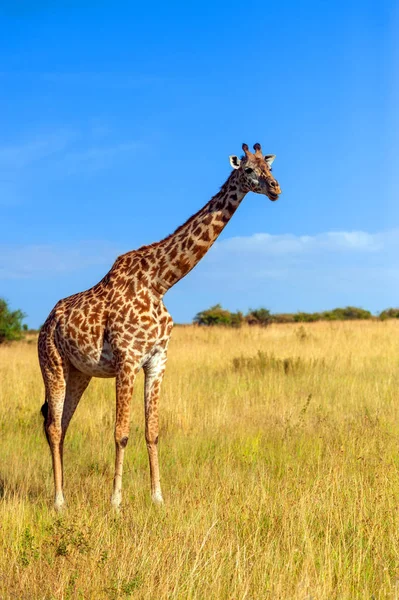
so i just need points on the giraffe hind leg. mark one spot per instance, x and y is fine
(55, 370)
(53, 409)
(58, 410)
(76, 385)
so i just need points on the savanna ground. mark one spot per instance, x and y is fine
(279, 462)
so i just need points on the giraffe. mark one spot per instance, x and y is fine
(121, 325)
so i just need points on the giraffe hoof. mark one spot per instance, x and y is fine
(116, 503)
(157, 499)
(59, 506)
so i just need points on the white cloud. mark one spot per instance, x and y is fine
(266, 256)
(299, 272)
(288, 244)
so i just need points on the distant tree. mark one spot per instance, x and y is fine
(258, 316)
(283, 318)
(346, 314)
(303, 317)
(389, 313)
(337, 314)
(10, 323)
(216, 315)
(237, 319)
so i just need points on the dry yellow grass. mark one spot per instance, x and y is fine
(281, 477)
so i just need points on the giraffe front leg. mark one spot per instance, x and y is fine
(154, 371)
(124, 390)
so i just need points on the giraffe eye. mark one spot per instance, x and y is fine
(249, 170)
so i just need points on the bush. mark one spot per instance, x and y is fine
(336, 314)
(10, 323)
(263, 362)
(389, 313)
(302, 317)
(236, 319)
(345, 314)
(216, 315)
(282, 318)
(259, 316)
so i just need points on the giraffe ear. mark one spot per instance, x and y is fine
(235, 162)
(269, 158)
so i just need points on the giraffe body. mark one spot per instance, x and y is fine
(121, 325)
(91, 331)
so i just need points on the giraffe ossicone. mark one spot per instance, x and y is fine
(121, 325)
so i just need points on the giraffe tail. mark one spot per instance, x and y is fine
(44, 411)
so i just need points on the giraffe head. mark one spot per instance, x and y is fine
(255, 172)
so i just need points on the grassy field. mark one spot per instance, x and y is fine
(279, 463)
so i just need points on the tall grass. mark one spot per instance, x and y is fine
(279, 462)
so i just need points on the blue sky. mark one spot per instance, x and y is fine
(117, 120)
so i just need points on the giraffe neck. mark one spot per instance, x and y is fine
(180, 252)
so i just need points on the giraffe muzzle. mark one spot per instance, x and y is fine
(273, 190)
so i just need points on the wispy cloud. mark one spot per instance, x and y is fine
(50, 260)
(17, 156)
(281, 272)
(108, 79)
(94, 158)
(256, 257)
(62, 153)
